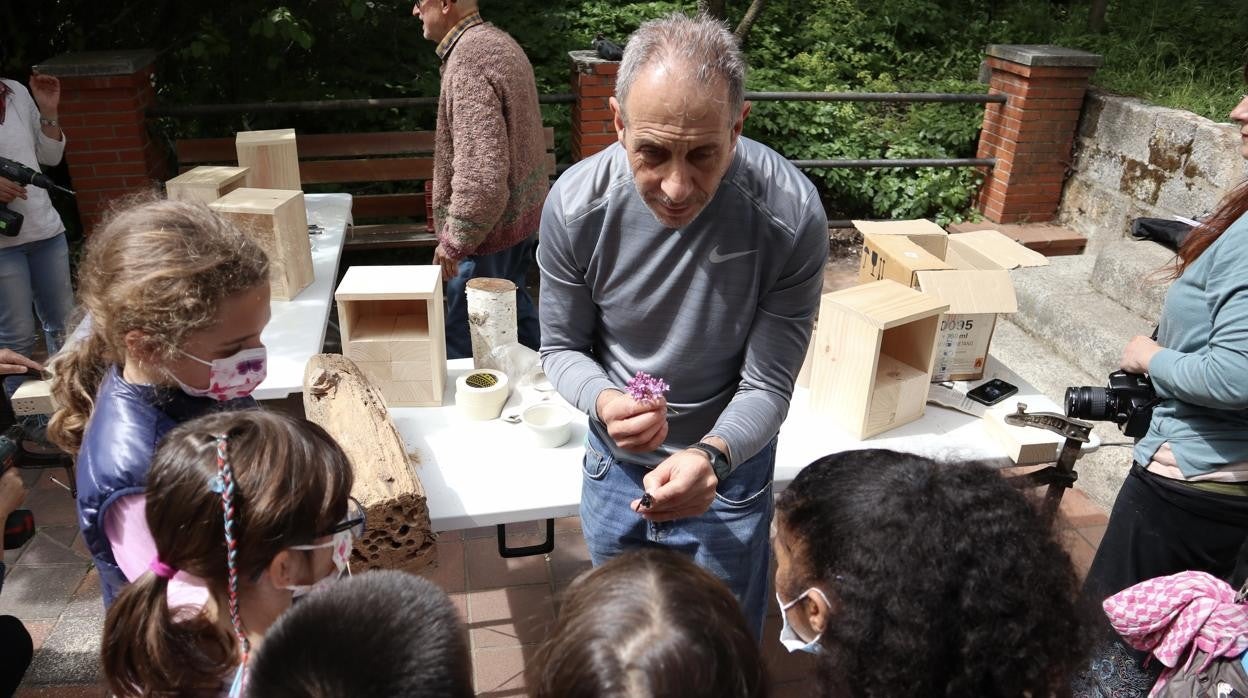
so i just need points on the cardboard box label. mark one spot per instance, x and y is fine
(962, 346)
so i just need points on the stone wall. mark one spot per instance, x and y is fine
(1133, 159)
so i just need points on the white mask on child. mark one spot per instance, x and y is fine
(341, 544)
(788, 636)
(232, 377)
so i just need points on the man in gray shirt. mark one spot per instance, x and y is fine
(695, 255)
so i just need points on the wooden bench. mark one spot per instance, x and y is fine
(356, 160)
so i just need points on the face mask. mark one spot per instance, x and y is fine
(788, 636)
(232, 377)
(341, 544)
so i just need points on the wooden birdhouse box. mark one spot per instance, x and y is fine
(278, 220)
(205, 183)
(271, 158)
(872, 357)
(392, 327)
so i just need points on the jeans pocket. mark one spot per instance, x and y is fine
(595, 464)
(750, 499)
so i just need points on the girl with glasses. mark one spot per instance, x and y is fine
(250, 507)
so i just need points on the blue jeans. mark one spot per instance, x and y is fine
(731, 540)
(36, 275)
(511, 264)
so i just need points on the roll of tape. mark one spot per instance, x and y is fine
(481, 393)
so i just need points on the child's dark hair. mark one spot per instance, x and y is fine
(382, 633)
(287, 482)
(649, 623)
(162, 267)
(944, 579)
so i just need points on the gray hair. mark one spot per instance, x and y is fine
(702, 44)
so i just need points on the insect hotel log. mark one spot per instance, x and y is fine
(398, 534)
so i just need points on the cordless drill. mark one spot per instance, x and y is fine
(20, 525)
(10, 220)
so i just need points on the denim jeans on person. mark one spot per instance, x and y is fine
(511, 264)
(35, 274)
(731, 540)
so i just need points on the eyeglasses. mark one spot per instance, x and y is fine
(354, 521)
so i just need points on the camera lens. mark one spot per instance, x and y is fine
(1086, 403)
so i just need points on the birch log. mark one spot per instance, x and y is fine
(398, 534)
(491, 318)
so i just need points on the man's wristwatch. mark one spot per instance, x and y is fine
(48, 122)
(719, 460)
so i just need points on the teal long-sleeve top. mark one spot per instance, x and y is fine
(1202, 373)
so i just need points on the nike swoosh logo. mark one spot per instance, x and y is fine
(717, 258)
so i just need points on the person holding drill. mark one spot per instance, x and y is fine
(34, 264)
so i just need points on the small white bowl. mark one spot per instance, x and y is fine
(550, 424)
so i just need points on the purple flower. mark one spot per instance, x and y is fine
(646, 388)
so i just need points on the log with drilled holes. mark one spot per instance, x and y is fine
(337, 396)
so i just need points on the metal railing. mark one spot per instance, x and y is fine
(337, 105)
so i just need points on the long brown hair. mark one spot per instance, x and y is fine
(162, 267)
(291, 482)
(1233, 206)
(649, 623)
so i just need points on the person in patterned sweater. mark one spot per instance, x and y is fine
(489, 172)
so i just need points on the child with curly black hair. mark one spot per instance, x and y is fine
(911, 577)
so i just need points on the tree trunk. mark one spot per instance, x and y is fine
(714, 8)
(751, 16)
(1096, 16)
(338, 397)
(491, 318)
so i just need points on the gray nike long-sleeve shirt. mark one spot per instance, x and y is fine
(721, 309)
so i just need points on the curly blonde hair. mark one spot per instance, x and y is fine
(161, 267)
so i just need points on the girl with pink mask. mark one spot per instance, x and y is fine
(175, 299)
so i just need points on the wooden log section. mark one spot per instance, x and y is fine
(337, 396)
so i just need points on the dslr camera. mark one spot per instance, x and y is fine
(1127, 401)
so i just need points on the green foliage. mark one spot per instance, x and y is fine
(1181, 53)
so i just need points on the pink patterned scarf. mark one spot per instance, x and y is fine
(1174, 616)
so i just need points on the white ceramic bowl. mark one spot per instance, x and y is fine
(549, 423)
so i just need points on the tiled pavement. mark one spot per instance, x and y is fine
(508, 605)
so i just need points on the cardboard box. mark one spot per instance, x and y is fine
(989, 249)
(975, 299)
(971, 275)
(895, 258)
(921, 232)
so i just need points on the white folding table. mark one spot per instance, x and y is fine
(490, 473)
(296, 330)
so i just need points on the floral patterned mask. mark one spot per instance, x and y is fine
(232, 377)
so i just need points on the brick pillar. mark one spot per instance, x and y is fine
(104, 99)
(1032, 134)
(593, 81)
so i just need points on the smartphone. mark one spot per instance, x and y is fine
(992, 392)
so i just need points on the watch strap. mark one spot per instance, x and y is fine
(719, 460)
(48, 122)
